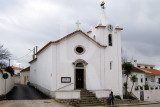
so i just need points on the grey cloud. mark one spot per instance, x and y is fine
(25, 24)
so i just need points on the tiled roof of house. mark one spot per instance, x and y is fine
(16, 68)
(151, 71)
(26, 69)
(137, 70)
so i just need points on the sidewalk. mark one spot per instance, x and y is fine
(30, 103)
(52, 103)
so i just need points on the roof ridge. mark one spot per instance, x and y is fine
(67, 37)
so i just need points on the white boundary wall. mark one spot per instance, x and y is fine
(9, 84)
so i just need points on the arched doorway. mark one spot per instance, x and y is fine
(80, 74)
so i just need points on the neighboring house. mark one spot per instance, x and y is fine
(17, 78)
(148, 85)
(16, 69)
(25, 75)
(79, 61)
(140, 75)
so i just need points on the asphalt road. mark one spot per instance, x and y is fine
(24, 92)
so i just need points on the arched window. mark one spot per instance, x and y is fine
(79, 65)
(110, 39)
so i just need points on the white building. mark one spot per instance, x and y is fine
(16, 69)
(147, 87)
(78, 61)
(25, 75)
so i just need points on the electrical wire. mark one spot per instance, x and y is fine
(22, 56)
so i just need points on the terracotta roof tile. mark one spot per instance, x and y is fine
(135, 69)
(152, 71)
(16, 68)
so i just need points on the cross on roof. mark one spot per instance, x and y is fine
(78, 24)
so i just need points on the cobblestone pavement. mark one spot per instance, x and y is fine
(30, 103)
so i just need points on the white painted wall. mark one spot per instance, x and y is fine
(17, 80)
(9, 84)
(68, 94)
(23, 76)
(138, 83)
(16, 71)
(56, 62)
(149, 95)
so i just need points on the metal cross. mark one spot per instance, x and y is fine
(78, 24)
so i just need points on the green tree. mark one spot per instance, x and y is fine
(133, 79)
(127, 66)
(10, 70)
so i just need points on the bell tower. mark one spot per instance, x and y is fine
(104, 31)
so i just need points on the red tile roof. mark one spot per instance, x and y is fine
(151, 71)
(16, 67)
(135, 69)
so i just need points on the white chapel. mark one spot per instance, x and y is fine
(79, 60)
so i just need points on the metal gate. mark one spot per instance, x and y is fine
(142, 95)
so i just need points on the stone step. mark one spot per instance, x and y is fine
(87, 99)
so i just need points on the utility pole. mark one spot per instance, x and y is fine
(9, 62)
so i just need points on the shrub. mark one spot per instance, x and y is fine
(152, 88)
(125, 84)
(129, 97)
(118, 97)
(1, 97)
(10, 70)
(146, 87)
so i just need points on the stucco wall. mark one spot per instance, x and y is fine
(17, 80)
(9, 84)
(66, 56)
(149, 95)
(56, 61)
(25, 76)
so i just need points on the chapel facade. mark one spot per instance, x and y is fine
(78, 61)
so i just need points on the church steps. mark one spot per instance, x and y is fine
(87, 99)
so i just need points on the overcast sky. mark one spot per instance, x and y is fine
(28, 23)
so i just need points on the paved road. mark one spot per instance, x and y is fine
(24, 92)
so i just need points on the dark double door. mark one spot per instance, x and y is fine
(79, 78)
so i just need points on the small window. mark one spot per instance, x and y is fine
(141, 80)
(151, 67)
(79, 50)
(79, 65)
(110, 39)
(94, 37)
(152, 78)
(146, 79)
(138, 66)
(146, 67)
(110, 65)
